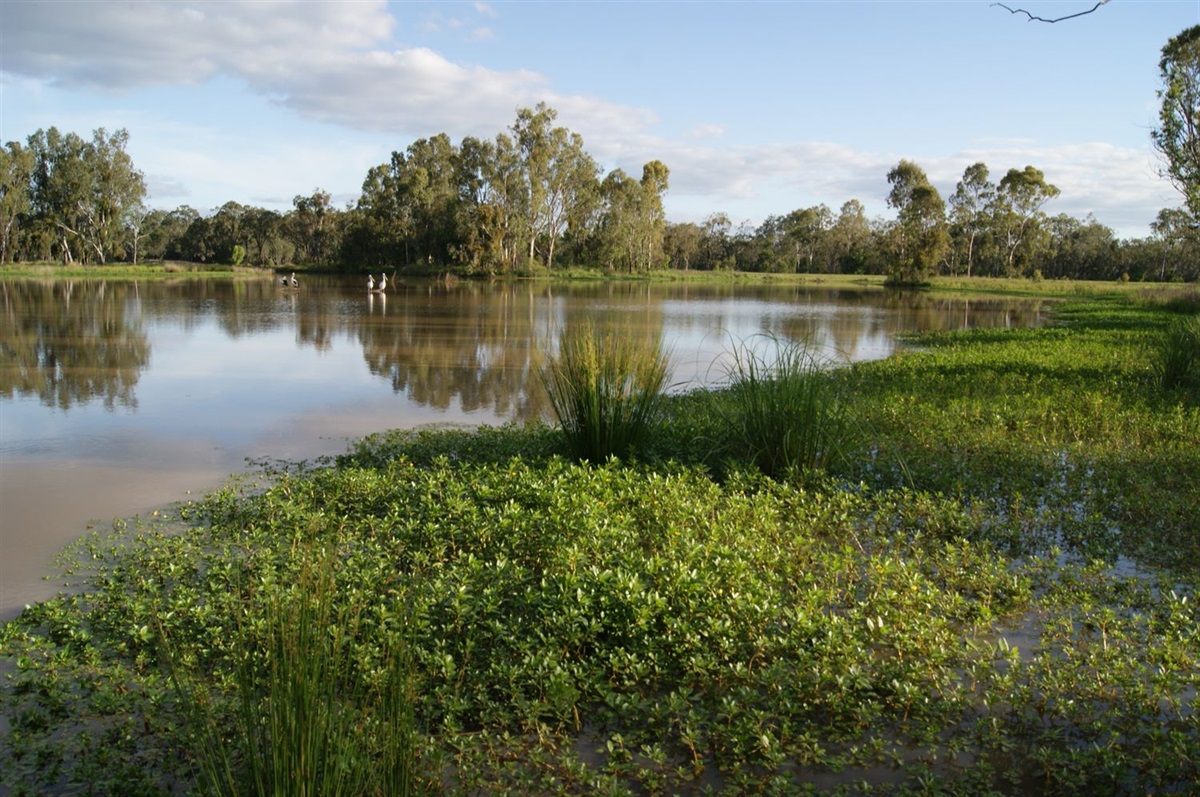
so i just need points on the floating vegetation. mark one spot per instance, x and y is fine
(992, 592)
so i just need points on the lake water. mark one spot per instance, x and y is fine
(120, 397)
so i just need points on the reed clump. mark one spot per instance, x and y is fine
(304, 720)
(606, 388)
(1178, 356)
(782, 410)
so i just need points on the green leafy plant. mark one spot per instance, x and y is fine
(606, 389)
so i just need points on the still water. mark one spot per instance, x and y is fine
(120, 397)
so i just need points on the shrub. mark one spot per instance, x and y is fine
(606, 390)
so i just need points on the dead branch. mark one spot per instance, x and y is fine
(1032, 18)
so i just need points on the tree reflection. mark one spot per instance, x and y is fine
(474, 345)
(69, 342)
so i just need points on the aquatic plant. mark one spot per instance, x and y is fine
(304, 720)
(971, 604)
(782, 411)
(1177, 356)
(606, 389)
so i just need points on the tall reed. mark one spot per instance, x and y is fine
(606, 389)
(304, 722)
(782, 409)
(1178, 355)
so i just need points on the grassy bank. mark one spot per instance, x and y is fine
(990, 589)
(160, 270)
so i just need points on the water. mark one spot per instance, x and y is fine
(120, 397)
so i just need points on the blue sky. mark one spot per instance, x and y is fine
(757, 107)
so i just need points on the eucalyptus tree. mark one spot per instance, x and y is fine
(263, 230)
(226, 227)
(806, 233)
(681, 244)
(1078, 249)
(313, 227)
(198, 244)
(1177, 137)
(494, 210)
(82, 191)
(562, 179)
(919, 237)
(616, 236)
(136, 228)
(970, 209)
(427, 177)
(850, 238)
(632, 223)
(656, 180)
(1179, 235)
(716, 250)
(1018, 213)
(382, 217)
(170, 231)
(16, 196)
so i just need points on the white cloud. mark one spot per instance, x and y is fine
(123, 46)
(337, 63)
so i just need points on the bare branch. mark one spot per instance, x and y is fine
(1032, 18)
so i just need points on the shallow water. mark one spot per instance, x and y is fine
(121, 396)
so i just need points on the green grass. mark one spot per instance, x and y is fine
(992, 591)
(782, 410)
(1178, 356)
(606, 388)
(306, 721)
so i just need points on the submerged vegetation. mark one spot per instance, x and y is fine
(983, 583)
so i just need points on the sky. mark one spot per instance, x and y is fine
(757, 107)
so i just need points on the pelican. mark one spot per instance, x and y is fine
(382, 283)
(370, 282)
(294, 283)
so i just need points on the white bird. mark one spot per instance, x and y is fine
(294, 283)
(370, 282)
(382, 283)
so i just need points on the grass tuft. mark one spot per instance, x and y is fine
(783, 411)
(303, 722)
(1178, 356)
(606, 389)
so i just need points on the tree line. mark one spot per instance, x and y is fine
(532, 198)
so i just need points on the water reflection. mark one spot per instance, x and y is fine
(69, 342)
(470, 345)
(116, 393)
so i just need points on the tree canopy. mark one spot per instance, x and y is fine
(1177, 136)
(532, 198)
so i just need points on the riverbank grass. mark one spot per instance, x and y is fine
(305, 722)
(606, 388)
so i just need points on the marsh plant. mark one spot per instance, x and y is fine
(1178, 353)
(606, 388)
(784, 412)
(940, 616)
(304, 720)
